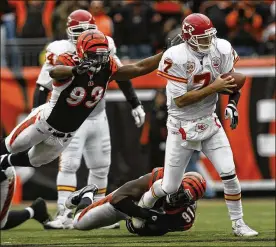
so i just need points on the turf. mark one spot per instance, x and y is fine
(212, 228)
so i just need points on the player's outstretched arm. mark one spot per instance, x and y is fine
(134, 189)
(140, 68)
(61, 72)
(220, 84)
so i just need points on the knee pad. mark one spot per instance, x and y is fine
(99, 172)
(232, 186)
(69, 164)
(227, 169)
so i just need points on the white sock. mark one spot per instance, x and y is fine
(232, 195)
(62, 196)
(31, 212)
(152, 195)
(90, 195)
(66, 184)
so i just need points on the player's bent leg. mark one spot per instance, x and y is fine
(69, 163)
(37, 210)
(98, 214)
(27, 134)
(97, 154)
(176, 161)
(222, 158)
(7, 191)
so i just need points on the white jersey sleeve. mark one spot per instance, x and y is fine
(113, 51)
(172, 68)
(229, 56)
(53, 50)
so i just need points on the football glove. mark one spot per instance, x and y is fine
(139, 115)
(83, 67)
(231, 113)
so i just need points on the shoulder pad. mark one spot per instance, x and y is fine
(224, 46)
(177, 54)
(66, 59)
(111, 46)
(61, 46)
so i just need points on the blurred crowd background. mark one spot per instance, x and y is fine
(138, 27)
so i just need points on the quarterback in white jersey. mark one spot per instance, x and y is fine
(193, 70)
(93, 143)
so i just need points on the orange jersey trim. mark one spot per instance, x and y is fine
(95, 204)
(8, 200)
(170, 77)
(22, 127)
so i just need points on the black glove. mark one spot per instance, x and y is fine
(172, 42)
(231, 112)
(83, 67)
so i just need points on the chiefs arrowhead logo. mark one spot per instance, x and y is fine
(188, 28)
(200, 127)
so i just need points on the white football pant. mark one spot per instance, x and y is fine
(98, 214)
(178, 153)
(35, 133)
(92, 140)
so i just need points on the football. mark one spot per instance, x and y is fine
(239, 80)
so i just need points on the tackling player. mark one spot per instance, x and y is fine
(92, 143)
(177, 214)
(193, 70)
(80, 84)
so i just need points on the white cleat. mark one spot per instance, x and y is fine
(63, 220)
(242, 230)
(113, 226)
(74, 199)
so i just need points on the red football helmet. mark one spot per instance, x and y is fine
(93, 45)
(192, 188)
(198, 32)
(79, 21)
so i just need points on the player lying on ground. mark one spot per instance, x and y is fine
(80, 84)
(92, 143)
(176, 214)
(193, 70)
(12, 218)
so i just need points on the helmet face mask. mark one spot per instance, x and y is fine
(203, 43)
(98, 58)
(75, 31)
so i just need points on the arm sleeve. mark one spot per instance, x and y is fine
(229, 61)
(128, 91)
(40, 95)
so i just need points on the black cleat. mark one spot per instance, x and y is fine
(40, 211)
(74, 199)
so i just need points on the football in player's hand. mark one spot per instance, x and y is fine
(239, 80)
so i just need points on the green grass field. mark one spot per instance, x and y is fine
(212, 228)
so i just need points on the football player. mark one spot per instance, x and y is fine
(80, 82)
(193, 70)
(12, 218)
(176, 214)
(93, 143)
